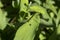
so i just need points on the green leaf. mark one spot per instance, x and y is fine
(23, 5)
(51, 14)
(1, 5)
(39, 9)
(49, 5)
(57, 19)
(3, 20)
(58, 30)
(58, 14)
(16, 3)
(46, 22)
(27, 31)
(42, 37)
(38, 1)
(50, 2)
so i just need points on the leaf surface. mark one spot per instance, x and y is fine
(27, 31)
(3, 20)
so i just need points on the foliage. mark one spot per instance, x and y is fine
(29, 20)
